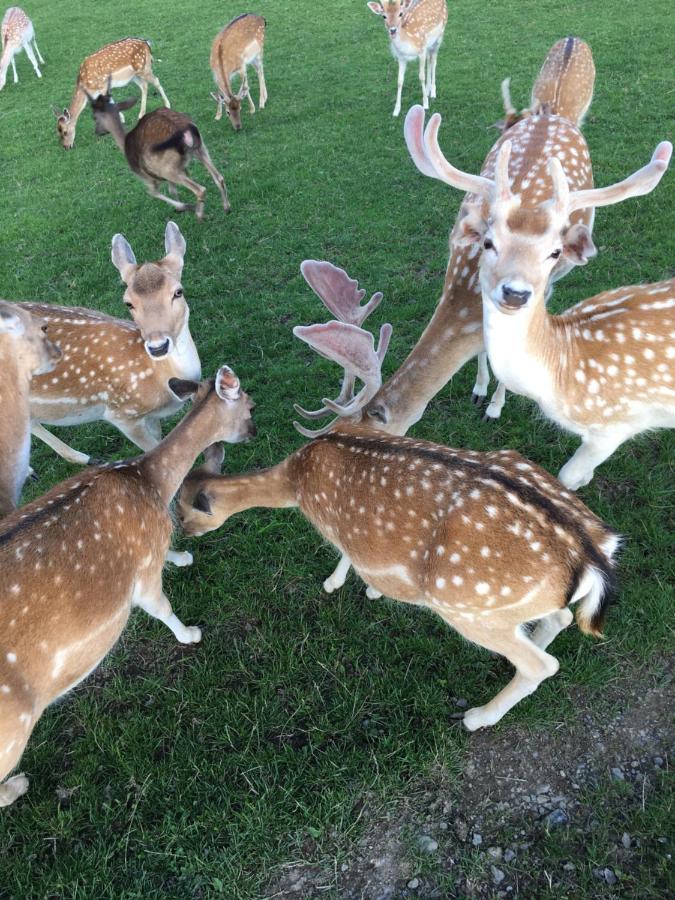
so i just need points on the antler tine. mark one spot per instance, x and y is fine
(445, 171)
(413, 131)
(561, 188)
(345, 394)
(502, 186)
(308, 433)
(338, 292)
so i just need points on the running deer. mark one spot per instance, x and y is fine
(17, 34)
(159, 149)
(238, 45)
(602, 370)
(488, 541)
(415, 31)
(563, 87)
(25, 351)
(114, 65)
(76, 561)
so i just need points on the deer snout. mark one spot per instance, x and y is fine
(514, 294)
(159, 347)
(392, 31)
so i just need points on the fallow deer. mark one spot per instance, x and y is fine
(604, 369)
(25, 351)
(115, 370)
(159, 149)
(488, 541)
(76, 561)
(114, 65)
(238, 45)
(17, 34)
(563, 87)
(415, 31)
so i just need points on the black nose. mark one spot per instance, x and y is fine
(392, 31)
(159, 352)
(515, 298)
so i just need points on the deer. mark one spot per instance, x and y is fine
(17, 34)
(159, 149)
(25, 351)
(415, 31)
(77, 560)
(240, 44)
(114, 65)
(488, 541)
(564, 85)
(604, 369)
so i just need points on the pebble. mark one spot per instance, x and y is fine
(625, 840)
(569, 867)
(497, 875)
(443, 826)
(495, 854)
(344, 867)
(461, 702)
(606, 875)
(509, 855)
(477, 839)
(617, 774)
(557, 818)
(413, 884)
(658, 762)
(427, 844)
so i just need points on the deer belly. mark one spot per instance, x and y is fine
(61, 412)
(395, 581)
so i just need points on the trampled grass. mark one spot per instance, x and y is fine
(187, 772)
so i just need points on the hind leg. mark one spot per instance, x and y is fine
(547, 629)
(156, 604)
(203, 156)
(154, 81)
(16, 77)
(143, 85)
(31, 57)
(37, 50)
(261, 81)
(16, 725)
(197, 189)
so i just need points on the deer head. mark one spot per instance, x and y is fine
(27, 334)
(393, 13)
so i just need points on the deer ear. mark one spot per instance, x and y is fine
(125, 104)
(213, 459)
(578, 246)
(470, 228)
(376, 8)
(183, 388)
(123, 257)
(201, 502)
(227, 384)
(10, 323)
(174, 244)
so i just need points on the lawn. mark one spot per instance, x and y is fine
(188, 772)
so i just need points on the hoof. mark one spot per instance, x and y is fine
(478, 399)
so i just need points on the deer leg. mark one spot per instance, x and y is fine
(63, 450)
(261, 82)
(339, 576)
(548, 628)
(434, 60)
(143, 85)
(203, 156)
(153, 190)
(247, 90)
(16, 724)
(16, 77)
(179, 558)
(157, 605)
(595, 449)
(425, 97)
(197, 189)
(142, 432)
(399, 87)
(154, 81)
(482, 380)
(37, 50)
(496, 404)
(31, 56)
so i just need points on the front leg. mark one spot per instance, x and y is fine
(16, 77)
(65, 451)
(482, 380)
(145, 433)
(247, 91)
(339, 576)
(423, 80)
(595, 449)
(399, 90)
(496, 404)
(157, 605)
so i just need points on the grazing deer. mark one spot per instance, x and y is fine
(604, 369)
(114, 65)
(488, 541)
(563, 87)
(17, 34)
(76, 561)
(25, 351)
(159, 149)
(237, 46)
(415, 31)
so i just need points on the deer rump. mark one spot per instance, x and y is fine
(158, 132)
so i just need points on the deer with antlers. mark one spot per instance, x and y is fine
(17, 34)
(488, 541)
(75, 562)
(25, 352)
(415, 31)
(114, 65)
(160, 149)
(603, 369)
(240, 44)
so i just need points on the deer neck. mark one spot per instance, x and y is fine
(185, 357)
(272, 488)
(15, 433)
(118, 133)
(78, 103)
(167, 465)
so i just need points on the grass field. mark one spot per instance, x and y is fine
(188, 772)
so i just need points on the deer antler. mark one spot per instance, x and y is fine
(354, 349)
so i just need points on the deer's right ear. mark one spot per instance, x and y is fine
(214, 456)
(376, 8)
(125, 104)
(227, 384)
(123, 257)
(182, 388)
(11, 323)
(175, 245)
(202, 503)
(470, 228)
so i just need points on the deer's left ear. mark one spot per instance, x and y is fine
(123, 257)
(202, 503)
(174, 244)
(183, 388)
(227, 384)
(376, 8)
(470, 228)
(11, 323)
(578, 244)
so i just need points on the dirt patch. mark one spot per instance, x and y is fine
(485, 832)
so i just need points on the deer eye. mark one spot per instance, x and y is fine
(178, 293)
(488, 245)
(128, 304)
(44, 329)
(556, 254)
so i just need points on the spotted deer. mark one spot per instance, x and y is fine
(240, 44)
(25, 351)
(602, 370)
(114, 65)
(488, 541)
(160, 149)
(75, 562)
(415, 31)
(17, 34)
(563, 87)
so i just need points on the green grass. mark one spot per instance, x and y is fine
(198, 771)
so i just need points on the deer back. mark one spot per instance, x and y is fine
(564, 86)
(121, 61)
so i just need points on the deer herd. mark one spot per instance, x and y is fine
(500, 549)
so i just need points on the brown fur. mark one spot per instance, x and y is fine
(240, 43)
